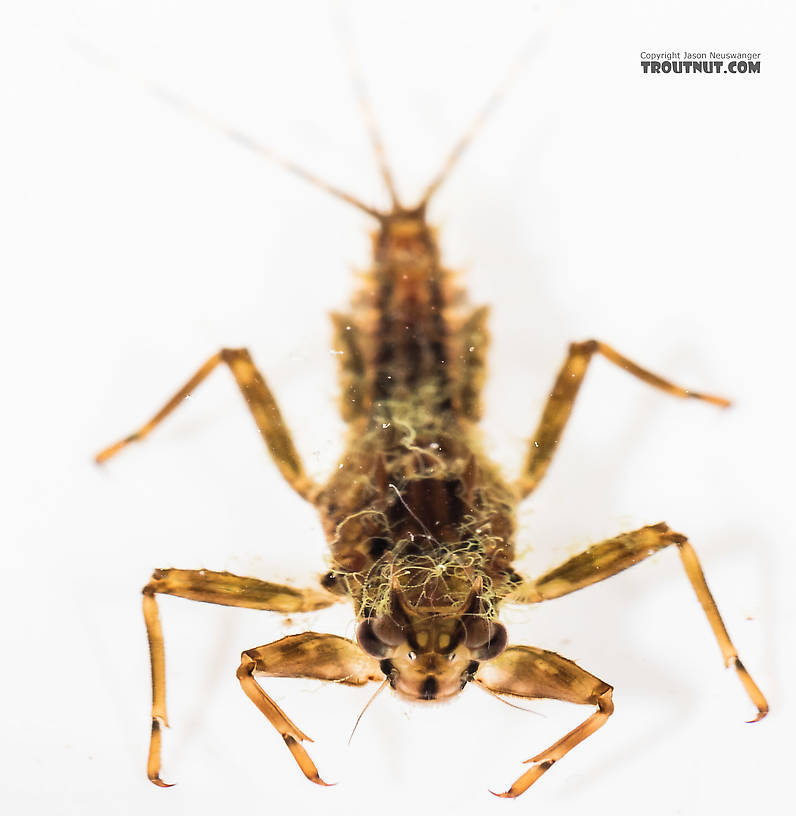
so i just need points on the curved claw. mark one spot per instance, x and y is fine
(525, 781)
(751, 688)
(304, 762)
(153, 762)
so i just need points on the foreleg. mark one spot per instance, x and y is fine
(322, 657)
(535, 673)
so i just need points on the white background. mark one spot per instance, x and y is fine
(653, 212)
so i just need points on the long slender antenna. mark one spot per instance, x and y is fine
(210, 121)
(508, 702)
(483, 115)
(343, 30)
(367, 706)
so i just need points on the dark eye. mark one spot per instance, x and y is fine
(369, 642)
(486, 639)
(498, 640)
(411, 655)
(388, 631)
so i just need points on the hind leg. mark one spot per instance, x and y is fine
(263, 408)
(559, 405)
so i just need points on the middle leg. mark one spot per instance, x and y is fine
(610, 557)
(222, 588)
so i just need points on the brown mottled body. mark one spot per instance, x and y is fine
(413, 483)
(420, 523)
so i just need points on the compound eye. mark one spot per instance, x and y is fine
(369, 641)
(486, 639)
(388, 631)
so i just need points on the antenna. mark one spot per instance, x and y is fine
(367, 706)
(508, 702)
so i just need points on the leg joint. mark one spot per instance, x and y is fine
(605, 700)
(586, 347)
(247, 665)
(670, 535)
(675, 538)
(228, 354)
(155, 582)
